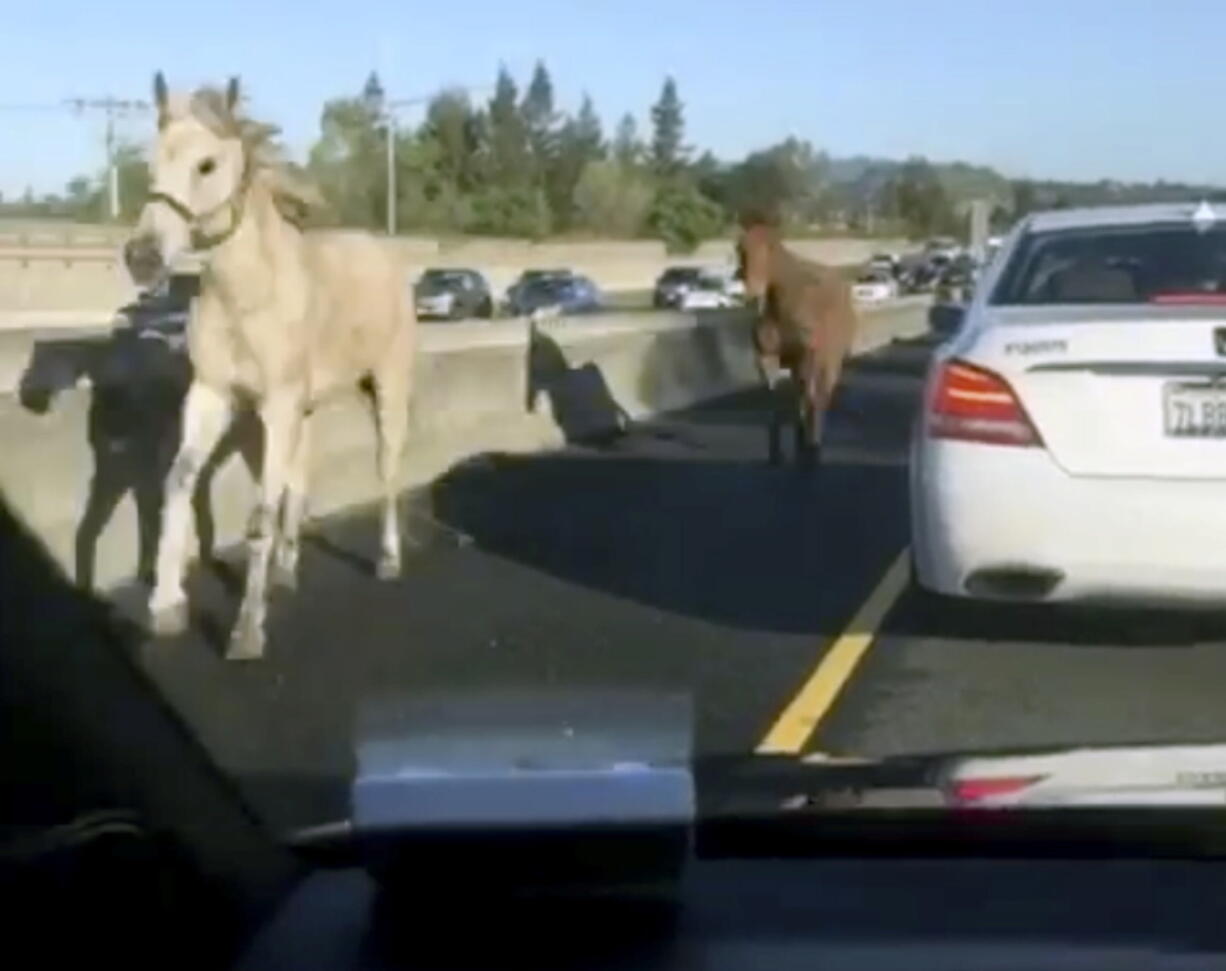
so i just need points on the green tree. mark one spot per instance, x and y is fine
(668, 131)
(509, 159)
(457, 132)
(540, 120)
(612, 199)
(627, 149)
(1025, 197)
(82, 197)
(348, 161)
(683, 217)
(580, 142)
(510, 211)
(787, 178)
(133, 176)
(920, 200)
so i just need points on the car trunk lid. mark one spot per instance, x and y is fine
(1137, 390)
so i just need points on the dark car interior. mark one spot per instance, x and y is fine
(122, 843)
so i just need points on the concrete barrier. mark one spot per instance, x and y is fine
(89, 428)
(51, 276)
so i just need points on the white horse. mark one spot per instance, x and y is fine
(284, 317)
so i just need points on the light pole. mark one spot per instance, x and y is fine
(113, 107)
(390, 108)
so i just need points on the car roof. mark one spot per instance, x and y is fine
(1091, 216)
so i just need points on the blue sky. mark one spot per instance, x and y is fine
(1070, 88)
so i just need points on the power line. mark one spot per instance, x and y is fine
(112, 108)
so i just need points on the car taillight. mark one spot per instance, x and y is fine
(969, 792)
(973, 404)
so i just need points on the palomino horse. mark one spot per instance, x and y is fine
(283, 318)
(805, 326)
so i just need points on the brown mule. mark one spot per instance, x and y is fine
(805, 326)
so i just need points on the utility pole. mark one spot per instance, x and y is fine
(390, 107)
(389, 121)
(113, 108)
(391, 174)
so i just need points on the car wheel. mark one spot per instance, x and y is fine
(486, 309)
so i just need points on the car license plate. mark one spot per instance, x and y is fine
(1195, 411)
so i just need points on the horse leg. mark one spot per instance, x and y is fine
(819, 392)
(391, 426)
(293, 509)
(771, 373)
(811, 413)
(206, 415)
(281, 413)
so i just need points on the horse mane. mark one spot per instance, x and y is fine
(294, 194)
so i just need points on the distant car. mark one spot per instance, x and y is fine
(709, 292)
(530, 278)
(571, 294)
(874, 286)
(885, 263)
(453, 294)
(1070, 446)
(673, 284)
(942, 246)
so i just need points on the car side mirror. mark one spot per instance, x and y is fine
(944, 319)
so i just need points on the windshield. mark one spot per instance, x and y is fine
(665, 361)
(1129, 264)
(444, 280)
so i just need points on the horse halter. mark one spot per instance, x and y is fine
(201, 240)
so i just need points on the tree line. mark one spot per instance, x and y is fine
(514, 164)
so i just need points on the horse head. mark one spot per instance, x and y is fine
(199, 175)
(756, 251)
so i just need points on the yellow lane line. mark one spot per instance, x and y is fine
(798, 721)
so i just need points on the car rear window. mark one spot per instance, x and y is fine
(1152, 263)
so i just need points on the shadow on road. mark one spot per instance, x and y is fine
(918, 615)
(136, 379)
(731, 542)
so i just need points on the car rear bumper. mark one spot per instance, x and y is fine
(1000, 522)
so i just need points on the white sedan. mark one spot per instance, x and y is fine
(708, 293)
(1142, 775)
(874, 287)
(1072, 440)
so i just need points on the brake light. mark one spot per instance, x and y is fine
(967, 792)
(1189, 299)
(973, 404)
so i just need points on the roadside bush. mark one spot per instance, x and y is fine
(683, 217)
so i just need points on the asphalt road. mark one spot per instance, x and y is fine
(675, 559)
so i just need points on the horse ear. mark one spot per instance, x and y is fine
(232, 93)
(160, 96)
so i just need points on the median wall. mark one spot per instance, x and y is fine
(88, 430)
(54, 275)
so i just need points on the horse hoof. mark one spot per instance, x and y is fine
(168, 621)
(246, 644)
(387, 568)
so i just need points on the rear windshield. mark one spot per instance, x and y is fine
(1155, 263)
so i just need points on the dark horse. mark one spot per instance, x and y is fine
(805, 325)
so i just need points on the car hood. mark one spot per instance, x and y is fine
(1053, 778)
